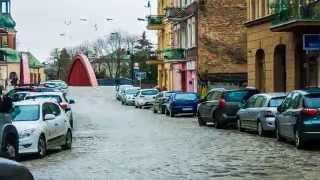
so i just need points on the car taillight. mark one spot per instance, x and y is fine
(222, 103)
(310, 111)
(268, 114)
(64, 106)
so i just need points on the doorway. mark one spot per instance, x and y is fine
(280, 74)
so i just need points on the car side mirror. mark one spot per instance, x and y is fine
(48, 117)
(203, 100)
(279, 109)
(243, 106)
(71, 101)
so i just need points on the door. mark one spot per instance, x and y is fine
(244, 113)
(293, 114)
(209, 105)
(59, 121)
(255, 110)
(50, 124)
(284, 115)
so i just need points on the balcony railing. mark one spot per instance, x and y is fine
(155, 22)
(174, 54)
(294, 14)
(175, 13)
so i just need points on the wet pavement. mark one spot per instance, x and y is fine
(116, 142)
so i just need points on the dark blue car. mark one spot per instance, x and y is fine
(182, 103)
(298, 117)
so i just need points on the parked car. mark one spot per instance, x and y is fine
(120, 89)
(41, 124)
(221, 106)
(182, 103)
(145, 98)
(162, 98)
(129, 95)
(259, 113)
(11, 93)
(57, 84)
(298, 117)
(9, 138)
(11, 170)
(59, 97)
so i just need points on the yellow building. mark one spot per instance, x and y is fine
(283, 43)
(164, 35)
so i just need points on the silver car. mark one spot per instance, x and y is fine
(258, 114)
(129, 96)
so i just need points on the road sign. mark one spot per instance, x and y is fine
(141, 75)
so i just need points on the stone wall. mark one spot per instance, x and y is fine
(222, 37)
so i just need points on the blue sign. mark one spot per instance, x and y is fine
(141, 75)
(311, 42)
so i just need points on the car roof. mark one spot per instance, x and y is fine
(45, 93)
(273, 95)
(148, 89)
(32, 102)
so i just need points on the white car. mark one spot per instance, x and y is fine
(129, 95)
(121, 89)
(59, 97)
(41, 125)
(58, 84)
(145, 98)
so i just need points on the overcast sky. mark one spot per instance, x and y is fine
(40, 22)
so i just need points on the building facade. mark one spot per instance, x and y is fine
(202, 43)
(9, 57)
(283, 44)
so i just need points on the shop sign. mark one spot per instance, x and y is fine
(191, 65)
(311, 42)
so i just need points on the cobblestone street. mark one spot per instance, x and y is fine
(117, 142)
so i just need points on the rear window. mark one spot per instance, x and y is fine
(236, 96)
(131, 91)
(312, 101)
(149, 92)
(168, 94)
(190, 97)
(276, 102)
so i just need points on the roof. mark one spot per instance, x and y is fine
(7, 22)
(14, 56)
(31, 102)
(45, 93)
(273, 95)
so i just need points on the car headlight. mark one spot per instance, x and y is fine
(26, 133)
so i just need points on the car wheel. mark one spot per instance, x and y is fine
(278, 134)
(154, 110)
(42, 147)
(299, 142)
(163, 110)
(239, 125)
(200, 120)
(171, 113)
(260, 130)
(217, 121)
(68, 142)
(11, 150)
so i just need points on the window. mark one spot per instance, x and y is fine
(251, 102)
(190, 97)
(286, 103)
(236, 96)
(312, 101)
(55, 97)
(296, 101)
(4, 8)
(149, 92)
(26, 113)
(55, 109)
(260, 101)
(275, 102)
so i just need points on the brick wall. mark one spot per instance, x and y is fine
(222, 37)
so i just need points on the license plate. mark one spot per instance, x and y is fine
(187, 109)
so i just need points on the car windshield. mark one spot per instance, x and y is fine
(26, 113)
(132, 91)
(55, 97)
(190, 97)
(19, 96)
(235, 96)
(312, 101)
(149, 92)
(276, 102)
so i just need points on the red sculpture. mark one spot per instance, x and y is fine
(81, 72)
(24, 70)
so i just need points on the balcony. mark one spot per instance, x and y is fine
(175, 14)
(296, 15)
(155, 57)
(155, 22)
(175, 54)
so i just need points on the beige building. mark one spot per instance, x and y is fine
(283, 44)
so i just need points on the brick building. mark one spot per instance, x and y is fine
(222, 42)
